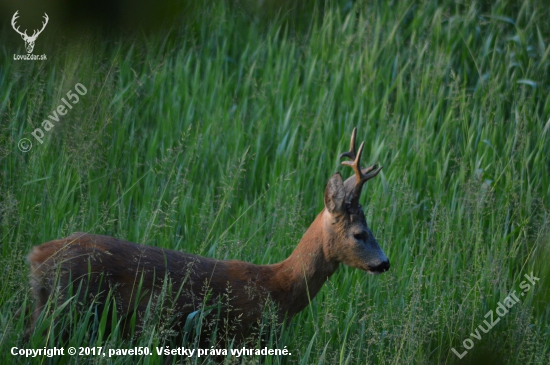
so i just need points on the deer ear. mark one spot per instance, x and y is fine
(335, 194)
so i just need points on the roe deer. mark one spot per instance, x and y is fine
(339, 234)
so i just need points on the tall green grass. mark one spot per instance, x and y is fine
(217, 138)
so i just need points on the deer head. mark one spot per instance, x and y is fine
(29, 41)
(349, 239)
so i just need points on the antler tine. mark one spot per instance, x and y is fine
(351, 152)
(14, 18)
(361, 175)
(355, 164)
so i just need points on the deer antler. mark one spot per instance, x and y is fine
(13, 19)
(36, 33)
(361, 175)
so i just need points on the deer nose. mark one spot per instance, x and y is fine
(383, 266)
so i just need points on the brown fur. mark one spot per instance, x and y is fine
(69, 259)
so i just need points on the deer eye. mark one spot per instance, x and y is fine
(360, 236)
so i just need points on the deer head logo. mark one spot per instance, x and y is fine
(29, 41)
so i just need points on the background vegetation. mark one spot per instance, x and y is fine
(217, 136)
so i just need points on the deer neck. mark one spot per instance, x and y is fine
(305, 271)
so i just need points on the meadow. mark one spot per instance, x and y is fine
(217, 136)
